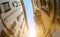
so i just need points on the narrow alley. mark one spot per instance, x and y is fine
(29, 18)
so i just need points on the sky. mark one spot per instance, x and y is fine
(29, 13)
(30, 17)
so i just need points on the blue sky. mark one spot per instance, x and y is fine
(30, 18)
(29, 13)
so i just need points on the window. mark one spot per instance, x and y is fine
(57, 11)
(41, 2)
(45, 6)
(36, 3)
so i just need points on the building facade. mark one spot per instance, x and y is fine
(13, 21)
(46, 19)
